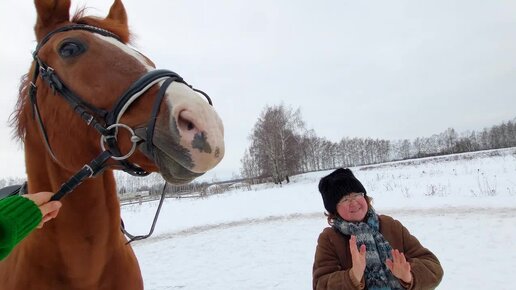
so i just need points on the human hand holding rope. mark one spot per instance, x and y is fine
(49, 209)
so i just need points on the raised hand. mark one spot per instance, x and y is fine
(399, 266)
(358, 258)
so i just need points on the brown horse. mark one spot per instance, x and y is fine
(89, 59)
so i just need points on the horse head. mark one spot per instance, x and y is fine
(90, 57)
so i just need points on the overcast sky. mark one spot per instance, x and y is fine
(383, 69)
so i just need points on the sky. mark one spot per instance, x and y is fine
(381, 69)
(444, 202)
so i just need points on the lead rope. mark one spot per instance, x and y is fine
(137, 238)
(87, 171)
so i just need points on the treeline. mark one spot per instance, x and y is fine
(154, 184)
(4, 182)
(281, 146)
(132, 185)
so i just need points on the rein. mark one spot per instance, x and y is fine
(105, 122)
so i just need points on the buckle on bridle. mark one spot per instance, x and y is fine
(50, 77)
(88, 118)
(87, 167)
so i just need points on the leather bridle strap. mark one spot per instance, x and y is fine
(136, 90)
(86, 27)
(105, 122)
(133, 238)
(99, 119)
(154, 116)
(87, 171)
(89, 113)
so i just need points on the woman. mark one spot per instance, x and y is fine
(20, 215)
(363, 250)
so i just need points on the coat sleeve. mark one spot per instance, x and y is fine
(327, 271)
(426, 269)
(18, 217)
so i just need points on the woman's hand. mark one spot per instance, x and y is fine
(399, 266)
(358, 258)
(49, 210)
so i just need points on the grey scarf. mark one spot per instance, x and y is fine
(377, 275)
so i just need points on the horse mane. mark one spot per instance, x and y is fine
(17, 119)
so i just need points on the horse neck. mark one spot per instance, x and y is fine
(83, 247)
(90, 210)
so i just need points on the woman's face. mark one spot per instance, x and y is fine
(352, 207)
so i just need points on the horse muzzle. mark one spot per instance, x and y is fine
(188, 136)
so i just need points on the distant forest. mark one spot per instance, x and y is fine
(281, 146)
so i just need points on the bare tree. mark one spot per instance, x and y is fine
(250, 167)
(275, 142)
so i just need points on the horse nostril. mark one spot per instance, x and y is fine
(190, 126)
(186, 121)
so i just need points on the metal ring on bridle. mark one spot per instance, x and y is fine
(134, 140)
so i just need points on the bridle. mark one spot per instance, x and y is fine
(106, 122)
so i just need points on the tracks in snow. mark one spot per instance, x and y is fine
(501, 212)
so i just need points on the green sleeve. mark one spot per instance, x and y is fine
(18, 217)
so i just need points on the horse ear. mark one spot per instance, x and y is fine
(50, 14)
(117, 21)
(117, 13)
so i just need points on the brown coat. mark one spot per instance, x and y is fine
(333, 259)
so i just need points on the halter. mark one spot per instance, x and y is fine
(105, 122)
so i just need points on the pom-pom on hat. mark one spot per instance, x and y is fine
(337, 184)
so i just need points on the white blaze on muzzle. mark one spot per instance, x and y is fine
(200, 128)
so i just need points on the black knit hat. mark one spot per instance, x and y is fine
(337, 184)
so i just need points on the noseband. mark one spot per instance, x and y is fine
(105, 122)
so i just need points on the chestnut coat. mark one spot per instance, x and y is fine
(333, 258)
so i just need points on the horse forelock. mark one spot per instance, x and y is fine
(113, 26)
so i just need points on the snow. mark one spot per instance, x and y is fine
(461, 207)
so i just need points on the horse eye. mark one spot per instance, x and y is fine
(71, 49)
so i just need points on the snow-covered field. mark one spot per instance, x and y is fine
(462, 207)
